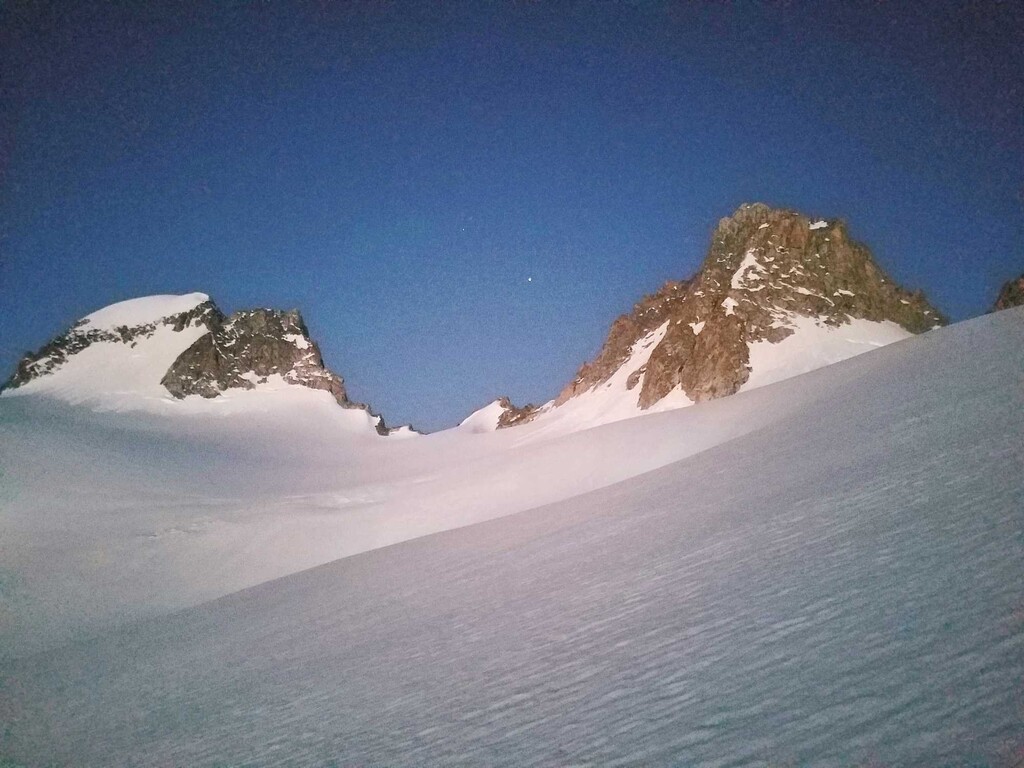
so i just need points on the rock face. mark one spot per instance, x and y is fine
(245, 349)
(1011, 294)
(766, 269)
(512, 415)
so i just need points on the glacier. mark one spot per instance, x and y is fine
(825, 570)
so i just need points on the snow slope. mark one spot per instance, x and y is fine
(812, 344)
(114, 516)
(840, 586)
(613, 400)
(116, 375)
(483, 419)
(110, 517)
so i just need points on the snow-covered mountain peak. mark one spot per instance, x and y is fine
(147, 353)
(117, 352)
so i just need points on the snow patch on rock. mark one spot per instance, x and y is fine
(298, 340)
(750, 270)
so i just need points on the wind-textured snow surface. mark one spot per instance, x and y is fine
(107, 517)
(841, 585)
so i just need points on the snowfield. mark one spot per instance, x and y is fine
(824, 571)
(813, 344)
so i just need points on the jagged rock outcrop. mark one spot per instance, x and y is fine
(512, 415)
(247, 348)
(765, 268)
(1010, 295)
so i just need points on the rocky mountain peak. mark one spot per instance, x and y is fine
(246, 349)
(1011, 294)
(781, 260)
(768, 272)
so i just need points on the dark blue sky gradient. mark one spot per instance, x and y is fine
(398, 170)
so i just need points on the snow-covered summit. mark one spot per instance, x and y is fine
(150, 353)
(115, 357)
(485, 419)
(147, 309)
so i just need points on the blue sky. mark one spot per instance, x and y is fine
(399, 171)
